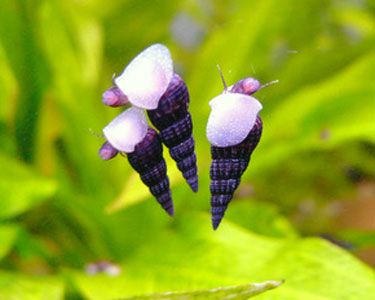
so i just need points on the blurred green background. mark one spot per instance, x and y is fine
(305, 211)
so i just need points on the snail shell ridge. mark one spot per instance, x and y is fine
(173, 120)
(228, 165)
(147, 159)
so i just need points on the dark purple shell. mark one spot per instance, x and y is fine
(173, 120)
(228, 165)
(147, 159)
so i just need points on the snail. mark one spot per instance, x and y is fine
(149, 82)
(130, 134)
(234, 129)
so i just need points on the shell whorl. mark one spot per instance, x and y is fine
(228, 165)
(173, 120)
(147, 159)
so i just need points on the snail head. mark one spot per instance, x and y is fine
(247, 86)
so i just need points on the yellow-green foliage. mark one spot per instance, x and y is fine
(62, 207)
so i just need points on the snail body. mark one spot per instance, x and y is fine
(174, 123)
(234, 130)
(129, 133)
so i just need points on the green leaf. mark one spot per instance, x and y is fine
(234, 292)
(72, 56)
(19, 39)
(316, 269)
(358, 238)
(7, 86)
(8, 234)
(21, 188)
(191, 256)
(260, 217)
(341, 108)
(19, 286)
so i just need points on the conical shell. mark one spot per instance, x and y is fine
(228, 165)
(147, 159)
(173, 120)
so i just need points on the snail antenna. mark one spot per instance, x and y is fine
(268, 84)
(96, 134)
(113, 79)
(222, 78)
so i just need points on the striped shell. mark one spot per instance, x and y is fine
(174, 123)
(228, 165)
(234, 130)
(147, 159)
(129, 133)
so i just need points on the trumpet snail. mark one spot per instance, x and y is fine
(234, 129)
(149, 83)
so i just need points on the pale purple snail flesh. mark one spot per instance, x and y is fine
(129, 133)
(107, 152)
(174, 123)
(114, 97)
(230, 162)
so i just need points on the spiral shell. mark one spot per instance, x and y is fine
(147, 159)
(234, 129)
(174, 123)
(129, 133)
(228, 165)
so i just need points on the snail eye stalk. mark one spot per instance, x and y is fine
(222, 78)
(268, 84)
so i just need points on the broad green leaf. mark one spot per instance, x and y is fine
(8, 234)
(72, 58)
(358, 238)
(21, 188)
(19, 39)
(341, 107)
(14, 286)
(316, 269)
(191, 256)
(234, 292)
(259, 217)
